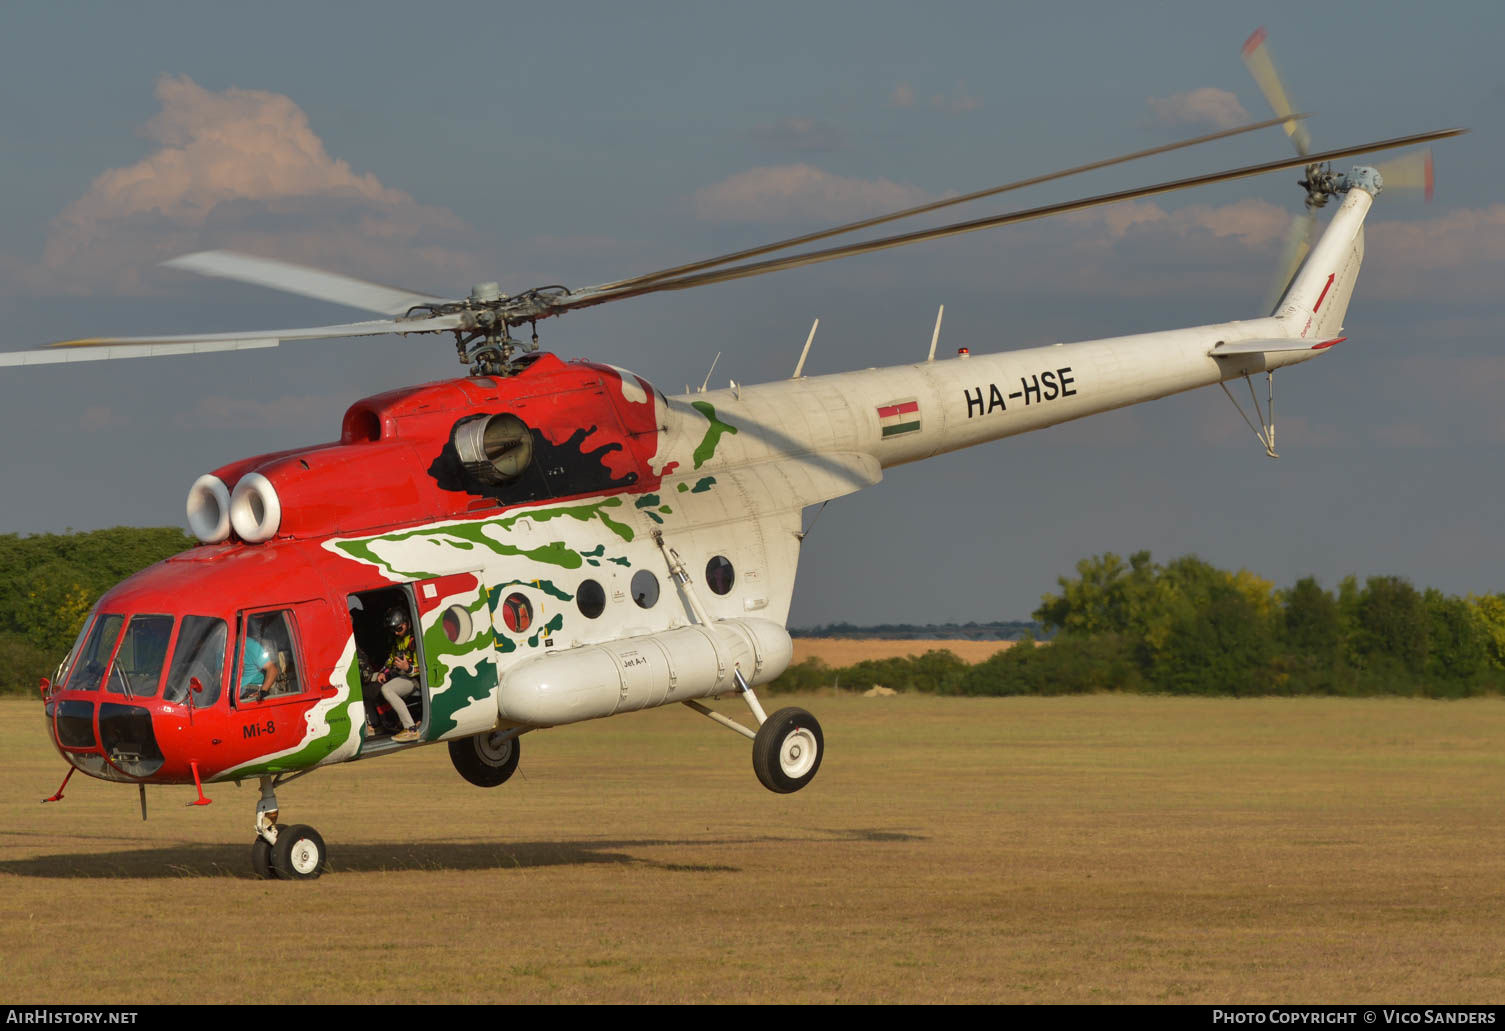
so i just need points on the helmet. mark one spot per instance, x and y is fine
(396, 617)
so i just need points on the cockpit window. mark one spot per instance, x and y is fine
(200, 653)
(67, 664)
(268, 663)
(137, 669)
(89, 667)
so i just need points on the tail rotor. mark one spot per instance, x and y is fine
(1303, 228)
(1411, 171)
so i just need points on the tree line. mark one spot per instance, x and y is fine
(1184, 627)
(1187, 627)
(50, 581)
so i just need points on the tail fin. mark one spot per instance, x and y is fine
(1314, 305)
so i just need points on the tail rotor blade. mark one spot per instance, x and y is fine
(1293, 252)
(1257, 60)
(1408, 172)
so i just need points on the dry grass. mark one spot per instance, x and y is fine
(1099, 849)
(844, 651)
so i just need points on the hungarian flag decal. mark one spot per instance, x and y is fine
(898, 417)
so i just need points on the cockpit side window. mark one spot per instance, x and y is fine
(200, 653)
(268, 666)
(94, 659)
(66, 666)
(137, 669)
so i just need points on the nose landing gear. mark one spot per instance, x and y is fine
(295, 853)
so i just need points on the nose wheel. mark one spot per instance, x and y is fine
(280, 852)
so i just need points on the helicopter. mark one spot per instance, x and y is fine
(542, 542)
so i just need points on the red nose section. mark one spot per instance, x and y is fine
(114, 739)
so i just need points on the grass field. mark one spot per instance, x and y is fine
(845, 651)
(1085, 849)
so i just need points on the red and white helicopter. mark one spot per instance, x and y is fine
(564, 541)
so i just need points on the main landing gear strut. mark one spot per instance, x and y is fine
(295, 853)
(787, 747)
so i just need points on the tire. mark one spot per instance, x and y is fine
(484, 762)
(261, 859)
(299, 854)
(788, 750)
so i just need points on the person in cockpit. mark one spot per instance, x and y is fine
(257, 661)
(397, 677)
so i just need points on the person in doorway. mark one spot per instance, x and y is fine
(398, 678)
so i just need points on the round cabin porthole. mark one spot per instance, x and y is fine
(719, 574)
(517, 613)
(590, 597)
(456, 623)
(644, 589)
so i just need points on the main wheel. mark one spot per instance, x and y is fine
(261, 859)
(299, 854)
(788, 750)
(484, 760)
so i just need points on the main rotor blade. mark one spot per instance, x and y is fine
(96, 348)
(1257, 60)
(586, 299)
(302, 280)
(795, 241)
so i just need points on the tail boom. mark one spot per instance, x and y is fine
(906, 413)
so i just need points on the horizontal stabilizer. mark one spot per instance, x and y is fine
(1226, 348)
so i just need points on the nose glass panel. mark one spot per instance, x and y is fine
(125, 731)
(75, 723)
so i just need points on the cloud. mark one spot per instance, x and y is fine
(1206, 106)
(1253, 223)
(1203, 257)
(1457, 255)
(803, 193)
(902, 96)
(241, 169)
(958, 101)
(801, 135)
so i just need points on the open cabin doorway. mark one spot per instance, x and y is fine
(396, 698)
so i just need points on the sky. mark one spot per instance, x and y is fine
(435, 146)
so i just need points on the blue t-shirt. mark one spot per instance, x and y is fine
(252, 661)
